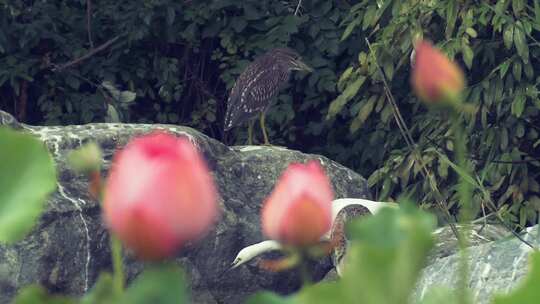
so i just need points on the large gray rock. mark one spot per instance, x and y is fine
(446, 243)
(495, 267)
(69, 246)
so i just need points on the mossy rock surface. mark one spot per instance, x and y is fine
(70, 246)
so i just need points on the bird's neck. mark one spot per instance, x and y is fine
(372, 206)
(266, 246)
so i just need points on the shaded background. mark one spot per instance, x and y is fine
(180, 58)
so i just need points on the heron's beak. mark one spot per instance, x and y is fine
(303, 67)
(233, 265)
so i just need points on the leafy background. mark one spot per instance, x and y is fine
(180, 58)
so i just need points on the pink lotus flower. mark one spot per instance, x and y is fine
(298, 212)
(159, 195)
(435, 78)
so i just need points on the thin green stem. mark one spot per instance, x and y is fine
(413, 147)
(118, 267)
(304, 267)
(465, 196)
(304, 272)
(116, 246)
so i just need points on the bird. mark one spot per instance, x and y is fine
(338, 233)
(257, 85)
(343, 210)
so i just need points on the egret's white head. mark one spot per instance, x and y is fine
(248, 253)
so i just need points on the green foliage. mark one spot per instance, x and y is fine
(174, 61)
(159, 284)
(528, 292)
(28, 177)
(36, 294)
(102, 292)
(497, 45)
(391, 251)
(383, 263)
(438, 295)
(268, 298)
(179, 58)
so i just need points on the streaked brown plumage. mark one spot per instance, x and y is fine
(338, 233)
(258, 84)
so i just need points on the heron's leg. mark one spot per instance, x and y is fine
(263, 128)
(250, 132)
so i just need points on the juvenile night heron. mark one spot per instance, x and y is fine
(258, 84)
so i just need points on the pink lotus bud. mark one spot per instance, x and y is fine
(159, 195)
(435, 78)
(298, 212)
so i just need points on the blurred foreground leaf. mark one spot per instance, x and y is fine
(528, 292)
(162, 284)
(437, 295)
(27, 177)
(36, 294)
(268, 298)
(383, 261)
(102, 292)
(322, 293)
(387, 254)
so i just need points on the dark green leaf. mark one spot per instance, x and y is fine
(349, 29)
(451, 17)
(239, 24)
(471, 32)
(519, 105)
(171, 14)
(73, 82)
(112, 114)
(504, 68)
(468, 55)
(521, 44)
(518, 6)
(363, 114)
(508, 36)
(350, 91)
(463, 173)
(516, 70)
(504, 138)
